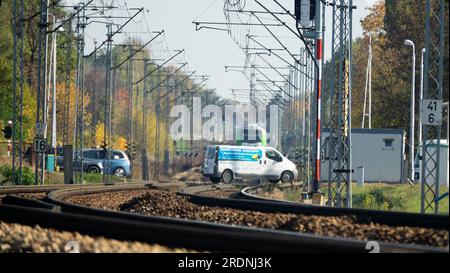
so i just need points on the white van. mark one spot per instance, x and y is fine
(224, 163)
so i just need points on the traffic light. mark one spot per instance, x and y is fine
(7, 131)
(131, 149)
(103, 145)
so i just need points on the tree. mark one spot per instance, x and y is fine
(390, 23)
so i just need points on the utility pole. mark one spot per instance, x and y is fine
(368, 88)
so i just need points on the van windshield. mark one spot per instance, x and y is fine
(210, 153)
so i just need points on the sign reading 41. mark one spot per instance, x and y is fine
(432, 112)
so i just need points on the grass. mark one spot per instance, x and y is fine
(402, 197)
(379, 196)
(51, 178)
(88, 178)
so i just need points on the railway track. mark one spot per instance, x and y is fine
(55, 212)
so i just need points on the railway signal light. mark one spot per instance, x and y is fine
(7, 131)
(305, 11)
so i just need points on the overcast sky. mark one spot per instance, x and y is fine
(208, 51)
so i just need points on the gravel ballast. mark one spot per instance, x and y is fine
(168, 204)
(15, 238)
(164, 203)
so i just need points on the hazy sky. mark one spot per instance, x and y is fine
(208, 51)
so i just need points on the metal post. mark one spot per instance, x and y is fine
(412, 109)
(370, 83)
(54, 36)
(422, 66)
(368, 88)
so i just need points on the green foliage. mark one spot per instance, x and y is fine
(389, 23)
(378, 199)
(27, 175)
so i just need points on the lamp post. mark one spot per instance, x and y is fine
(413, 87)
(421, 93)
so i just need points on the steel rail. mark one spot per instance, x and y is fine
(197, 235)
(237, 239)
(276, 206)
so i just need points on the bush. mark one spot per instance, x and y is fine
(378, 200)
(27, 175)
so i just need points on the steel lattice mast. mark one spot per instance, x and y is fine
(18, 84)
(108, 100)
(41, 87)
(130, 136)
(144, 156)
(339, 151)
(80, 93)
(156, 171)
(67, 85)
(433, 85)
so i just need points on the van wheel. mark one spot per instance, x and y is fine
(287, 177)
(227, 176)
(214, 179)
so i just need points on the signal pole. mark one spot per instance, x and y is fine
(318, 78)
